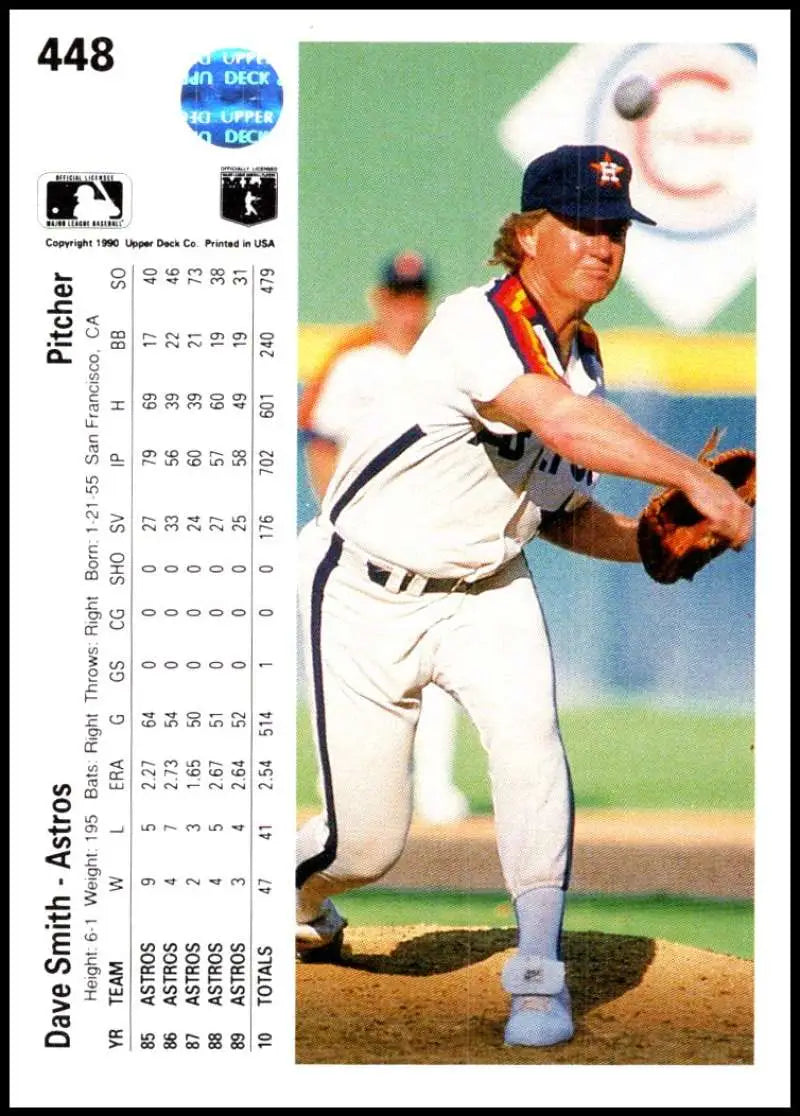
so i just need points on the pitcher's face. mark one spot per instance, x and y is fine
(579, 259)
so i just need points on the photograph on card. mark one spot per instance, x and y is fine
(526, 553)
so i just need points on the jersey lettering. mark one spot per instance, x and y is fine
(511, 447)
(550, 465)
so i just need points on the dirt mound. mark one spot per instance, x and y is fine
(431, 995)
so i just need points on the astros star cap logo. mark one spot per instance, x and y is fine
(607, 171)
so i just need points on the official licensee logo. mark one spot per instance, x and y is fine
(249, 195)
(90, 200)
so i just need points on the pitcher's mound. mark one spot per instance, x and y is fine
(422, 994)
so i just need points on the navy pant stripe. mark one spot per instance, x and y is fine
(328, 854)
(571, 838)
(379, 462)
(568, 868)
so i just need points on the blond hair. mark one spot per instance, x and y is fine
(506, 250)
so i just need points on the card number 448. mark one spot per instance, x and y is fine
(100, 59)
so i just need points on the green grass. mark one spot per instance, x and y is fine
(626, 756)
(719, 926)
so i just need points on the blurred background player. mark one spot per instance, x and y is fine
(365, 366)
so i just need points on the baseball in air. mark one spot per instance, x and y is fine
(635, 97)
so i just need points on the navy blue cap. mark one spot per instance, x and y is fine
(590, 182)
(407, 271)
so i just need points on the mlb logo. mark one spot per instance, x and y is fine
(249, 195)
(91, 200)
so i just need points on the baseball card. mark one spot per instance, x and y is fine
(386, 398)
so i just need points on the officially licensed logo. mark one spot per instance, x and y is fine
(249, 195)
(92, 200)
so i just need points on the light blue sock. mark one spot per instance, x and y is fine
(539, 915)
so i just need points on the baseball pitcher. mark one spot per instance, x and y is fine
(414, 570)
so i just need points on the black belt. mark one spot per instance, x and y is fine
(432, 584)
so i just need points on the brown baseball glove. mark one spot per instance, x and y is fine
(674, 539)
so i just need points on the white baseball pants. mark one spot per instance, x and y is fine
(369, 652)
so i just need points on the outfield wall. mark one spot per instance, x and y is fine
(414, 145)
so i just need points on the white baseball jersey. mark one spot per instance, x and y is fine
(426, 482)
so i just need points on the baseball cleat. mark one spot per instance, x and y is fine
(542, 1017)
(539, 1020)
(321, 939)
